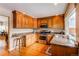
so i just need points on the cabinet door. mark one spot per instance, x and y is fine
(42, 21)
(58, 50)
(24, 21)
(30, 39)
(38, 23)
(30, 20)
(50, 22)
(27, 22)
(35, 23)
(58, 22)
(71, 51)
(18, 20)
(31, 23)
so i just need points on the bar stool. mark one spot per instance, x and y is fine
(20, 42)
(16, 43)
(24, 41)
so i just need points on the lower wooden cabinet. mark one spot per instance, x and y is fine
(58, 50)
(30, 39)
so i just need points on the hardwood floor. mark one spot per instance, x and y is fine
(3, 48)
(4, 52)
(36, 49)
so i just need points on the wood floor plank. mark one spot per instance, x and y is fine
(36, 49)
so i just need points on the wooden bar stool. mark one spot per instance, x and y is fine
(17, 43)
(20, 42)
(23, 40)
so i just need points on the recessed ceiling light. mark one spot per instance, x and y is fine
(55, 4)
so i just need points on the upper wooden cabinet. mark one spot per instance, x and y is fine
(17, 19)
(35, 22)
(42, 21)
(50, 22)
(21, 20)
(30, 22)
(58, 22)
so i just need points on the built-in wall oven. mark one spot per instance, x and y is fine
(43, 32)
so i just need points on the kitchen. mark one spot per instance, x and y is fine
(46, 34)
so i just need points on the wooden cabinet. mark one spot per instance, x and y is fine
(21, 20)
(58, 22)
(38, 23)
(17, 18)
(42, 21)
(35, 22)
(50, 22)
(25, 22)
(30, 39)
(30, 22)
(59, 50)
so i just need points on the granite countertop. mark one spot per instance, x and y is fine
(20, 34)
(62, 41)
(64, 45)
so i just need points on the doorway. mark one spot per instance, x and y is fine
(4, 32)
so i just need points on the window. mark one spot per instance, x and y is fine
(72, 27)
(72, 23)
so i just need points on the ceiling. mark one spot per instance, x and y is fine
(37, 10)
(3, 20)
